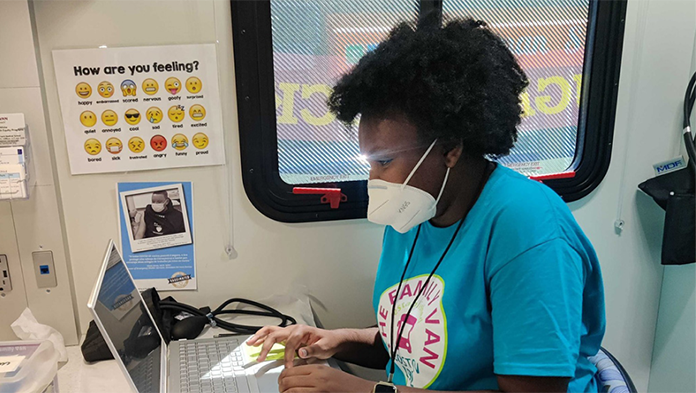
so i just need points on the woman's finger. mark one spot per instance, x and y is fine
(260, 334)
(269, 341)
(295, 382)
(292, 343)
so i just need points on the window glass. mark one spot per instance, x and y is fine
(314, 43)
(548, 39)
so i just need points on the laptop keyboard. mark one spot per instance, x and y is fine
(209, 367)
(143, 372)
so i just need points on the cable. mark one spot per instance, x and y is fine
(689, 99)
(286, 320)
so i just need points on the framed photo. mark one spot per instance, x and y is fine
(158, 217)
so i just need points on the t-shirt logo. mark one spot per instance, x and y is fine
(422, 348)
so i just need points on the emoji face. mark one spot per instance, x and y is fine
(200, 140)
(128, 88)
(114, 145)
(172, 85)
(158, 143)
(92, 146)
(132, 117)
(194, 85)
(83, 90)
(105, 89)
(88, 119)
(136, 144)
(109, 117)
(176, 113)
(150, 86)
(154, 115)
(179, 142)
(197, 112)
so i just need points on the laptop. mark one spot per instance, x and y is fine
(202, 365)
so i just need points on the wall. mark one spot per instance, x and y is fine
(655, 69)
(34, 224)
(674, 354)
(323, 257)
(272, 257)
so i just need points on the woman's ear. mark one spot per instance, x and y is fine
(453, 153)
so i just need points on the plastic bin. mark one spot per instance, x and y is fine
(35, 365)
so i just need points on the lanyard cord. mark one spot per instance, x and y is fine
(394, 348)
(398, 289)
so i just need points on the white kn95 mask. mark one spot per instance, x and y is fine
(400, 205)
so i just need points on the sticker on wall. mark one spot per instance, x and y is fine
(140, 94)
(156, 221)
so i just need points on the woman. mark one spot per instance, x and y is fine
(507, 289)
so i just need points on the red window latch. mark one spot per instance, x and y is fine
(332, 196)
(553, 176)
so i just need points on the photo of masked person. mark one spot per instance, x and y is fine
(156, 217)
(161, 217)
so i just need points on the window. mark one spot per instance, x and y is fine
(288, 54)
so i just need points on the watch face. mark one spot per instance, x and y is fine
(384, 387)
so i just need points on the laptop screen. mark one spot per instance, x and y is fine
(128, 325)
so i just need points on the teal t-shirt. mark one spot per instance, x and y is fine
(519, 293)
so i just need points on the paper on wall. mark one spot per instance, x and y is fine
(137, 108)
(13, 182)
(158, 247)
(12, 130)
(12, 155)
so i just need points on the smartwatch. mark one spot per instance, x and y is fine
(384, 387)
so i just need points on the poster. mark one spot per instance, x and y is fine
(156, 229)
(138, 108)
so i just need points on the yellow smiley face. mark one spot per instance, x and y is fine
(197, 112)
(92, 146)
(172, 85)
(83, 90)
(176, 113)
(194, 85)
(105, 89)
(154, 115)
(136, 144)
(88, 118)
(200, 140)
(114, 145)
(128, 88)
(132, 117)
(109, 117)
(179, 142)
(150, 86)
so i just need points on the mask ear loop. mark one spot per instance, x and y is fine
(410, 175)
(444, 183)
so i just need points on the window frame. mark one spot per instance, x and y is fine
(255, 81)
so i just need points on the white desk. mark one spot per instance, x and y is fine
(77, 376)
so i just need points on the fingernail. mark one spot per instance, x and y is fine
(303, 353)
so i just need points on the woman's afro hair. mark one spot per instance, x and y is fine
(458, 83)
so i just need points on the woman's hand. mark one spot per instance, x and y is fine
(319, 378)
(309, 342)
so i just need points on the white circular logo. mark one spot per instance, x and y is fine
(421, 350)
